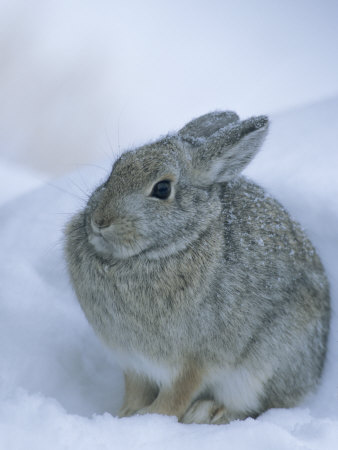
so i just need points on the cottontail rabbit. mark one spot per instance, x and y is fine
(211, 297)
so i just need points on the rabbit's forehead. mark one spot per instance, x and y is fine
(146, 164)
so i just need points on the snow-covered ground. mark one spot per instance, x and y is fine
(16, 180)
(60, 388)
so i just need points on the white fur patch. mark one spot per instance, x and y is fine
(239, 388)
(99, 244)
(162, 374)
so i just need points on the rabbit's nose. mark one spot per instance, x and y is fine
(100, 223)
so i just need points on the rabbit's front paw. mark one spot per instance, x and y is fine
(205, 411)
(127, 412)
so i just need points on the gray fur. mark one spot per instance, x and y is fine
(214, 300)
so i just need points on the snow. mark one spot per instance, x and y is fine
(15, 180)
(59, 386)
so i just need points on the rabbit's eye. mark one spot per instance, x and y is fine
(161, 190)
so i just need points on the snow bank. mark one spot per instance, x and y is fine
(15, 181)
(59, 386)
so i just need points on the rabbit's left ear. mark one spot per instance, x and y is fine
(219, 151)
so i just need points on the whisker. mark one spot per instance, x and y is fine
(96, 166)
(74, 230)
(64, 190)
(77, 186)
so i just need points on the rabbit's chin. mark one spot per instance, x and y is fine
(115, 250)
(110, 249)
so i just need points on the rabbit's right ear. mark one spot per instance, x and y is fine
(220, 146)
(199, 130)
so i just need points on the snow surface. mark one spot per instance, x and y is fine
(15, 180)
(60, 388)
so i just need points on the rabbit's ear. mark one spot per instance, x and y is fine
(199, 130)
(221, 155)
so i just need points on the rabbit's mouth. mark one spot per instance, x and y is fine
(100, 245)
(119, 241)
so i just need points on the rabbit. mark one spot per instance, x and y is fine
(212, 299)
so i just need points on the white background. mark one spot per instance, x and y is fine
(81, 79)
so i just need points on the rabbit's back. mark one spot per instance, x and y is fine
(268, 246)
(278, 292)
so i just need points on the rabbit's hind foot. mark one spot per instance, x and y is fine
(206, 411)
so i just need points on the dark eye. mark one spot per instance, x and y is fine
(162, 189)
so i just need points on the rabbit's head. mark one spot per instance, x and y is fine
(160, 197)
